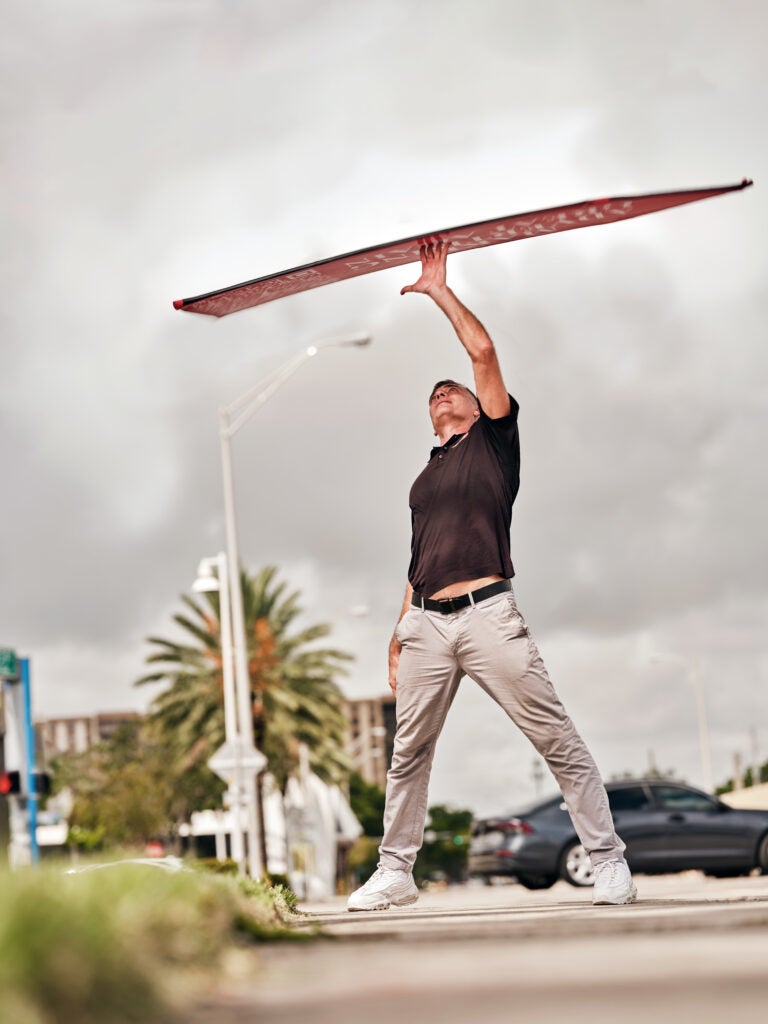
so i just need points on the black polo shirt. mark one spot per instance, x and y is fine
(461, 506)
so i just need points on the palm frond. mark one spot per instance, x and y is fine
(297, 699)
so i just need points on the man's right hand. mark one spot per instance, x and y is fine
(395, 647)
(433, 272)
(394, 660)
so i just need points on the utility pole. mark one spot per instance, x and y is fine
(19, 748)
(754, 757)
(537, 774)
(738, 778)
(5, 830)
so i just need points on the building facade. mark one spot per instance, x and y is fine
(75, 734)
(371, 736)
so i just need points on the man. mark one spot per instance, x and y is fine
(459, 617)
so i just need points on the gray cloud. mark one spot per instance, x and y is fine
(163, 149)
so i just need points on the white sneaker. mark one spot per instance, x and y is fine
(613, 884)
(383, 889)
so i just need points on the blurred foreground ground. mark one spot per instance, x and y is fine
(691, 946)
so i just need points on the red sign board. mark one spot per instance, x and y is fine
(513, 228)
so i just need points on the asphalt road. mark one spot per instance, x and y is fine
(690, 947)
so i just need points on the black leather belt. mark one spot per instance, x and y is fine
(446, 605)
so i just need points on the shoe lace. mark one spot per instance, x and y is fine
(375, 877)
(607, 871)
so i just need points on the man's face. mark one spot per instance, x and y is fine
(452, 401)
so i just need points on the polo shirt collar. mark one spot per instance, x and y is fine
(448, 444)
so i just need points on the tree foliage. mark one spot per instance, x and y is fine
(127, 790)
(446, 847)
(367, 802)
(294, 696)
(747, 780)
(446, 838)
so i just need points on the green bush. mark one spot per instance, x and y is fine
(367, 802)
(112, 945)
(446, 847)
(363, 858)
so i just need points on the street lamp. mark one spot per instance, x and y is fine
(693, 675)
(231, 418)
(213, 576)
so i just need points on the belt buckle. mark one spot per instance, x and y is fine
(447, 605)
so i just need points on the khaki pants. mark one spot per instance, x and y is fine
(491, 643)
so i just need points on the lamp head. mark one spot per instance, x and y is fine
(207, 576)
(205, 585)
(359, 340)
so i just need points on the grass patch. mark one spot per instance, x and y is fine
(122, 943)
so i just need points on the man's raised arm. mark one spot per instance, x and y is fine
(490, 387)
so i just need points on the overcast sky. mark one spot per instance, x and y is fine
(156, 149)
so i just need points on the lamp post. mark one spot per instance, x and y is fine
(231, 418)
(213, 576)
(694, 678)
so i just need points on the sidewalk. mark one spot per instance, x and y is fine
(672, 903)
(692, 946)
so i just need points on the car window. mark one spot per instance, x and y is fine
(677, 798)
(629, 798)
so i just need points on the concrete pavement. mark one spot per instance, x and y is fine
(691, 946)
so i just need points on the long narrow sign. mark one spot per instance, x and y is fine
(469, 236)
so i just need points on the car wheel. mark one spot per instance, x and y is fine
(537, 881)
(762, 855)
(575, 865)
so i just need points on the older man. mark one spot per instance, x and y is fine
(459, 617)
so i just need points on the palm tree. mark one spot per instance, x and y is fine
(295, 698)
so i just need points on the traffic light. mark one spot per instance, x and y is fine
(10, 782)
(43, 783)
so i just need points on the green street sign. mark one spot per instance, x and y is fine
(9, 663)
